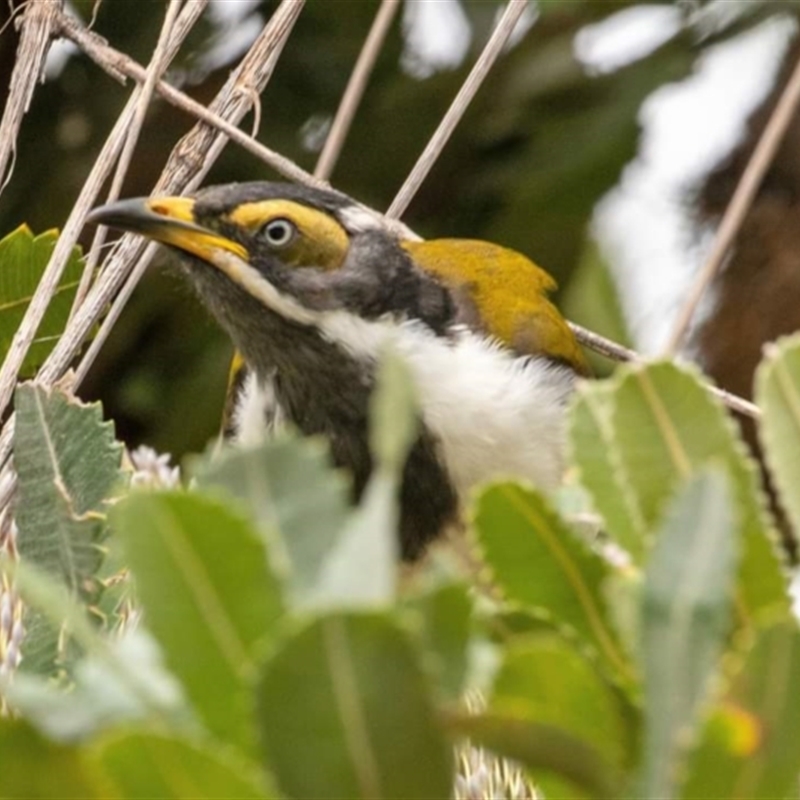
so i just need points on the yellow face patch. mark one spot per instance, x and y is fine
(320, 241)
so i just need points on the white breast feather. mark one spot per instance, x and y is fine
(257, 413)
(494, 414)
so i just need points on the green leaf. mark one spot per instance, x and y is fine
(23, 258)
(440, 619)
(668, 427)
(326, 557)
(687, 611)
(542, 748)
(599, 461)
(539, 562)
(344, 711)
(750, 746)
(547, 681)
(361, 569)
(393, 418)
(209, 597)
(68, 464)
(102, 694)
(623, 593)
(324, 553)
(34, 768)
(50, 598)
(297, 499)
(778, 394)
(150, 765)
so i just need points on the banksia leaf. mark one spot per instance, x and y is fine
(23, 259)
(750, 746)
(347, 688)
(171, 768)
(664, 427)
(203, 579)
(778, 394)
(687, 611)
(597, 456)
(68, 464)
(536, 560)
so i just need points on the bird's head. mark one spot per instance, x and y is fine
(261, 252)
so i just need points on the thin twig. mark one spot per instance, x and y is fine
(118, 63)
(433, 149)
(14, 11)
(51, 276)
(355, 89)
(617, 352)
(739, 205)
(734, 402)
(605, 347)
(48, 284)
(244, 87)
(117, 307)
(187, 165)
(163, 54)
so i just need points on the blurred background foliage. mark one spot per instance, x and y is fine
(545, 139)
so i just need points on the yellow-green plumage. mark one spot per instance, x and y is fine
(510, 294)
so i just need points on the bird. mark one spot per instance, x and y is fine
(312, 287)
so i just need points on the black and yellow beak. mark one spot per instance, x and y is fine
(169, 220)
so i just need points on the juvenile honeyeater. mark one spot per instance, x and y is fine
(310, 287)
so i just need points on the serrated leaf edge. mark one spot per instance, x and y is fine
(740, 451)
(607, 647)
(618, 471)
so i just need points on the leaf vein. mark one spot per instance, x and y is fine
(345, 689)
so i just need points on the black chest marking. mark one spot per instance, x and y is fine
(428, 501)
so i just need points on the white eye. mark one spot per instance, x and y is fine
(279, 232)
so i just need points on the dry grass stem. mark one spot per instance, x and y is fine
(58, 261)
(190, 160)
(69, 236)
(193, 156)
(739, 205)
(497, 41)
(173, 32)
(117, 307)
(617, 352)
(162, 56)
(355, 89)
(38, 23)
(118, 64)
